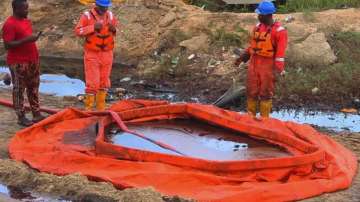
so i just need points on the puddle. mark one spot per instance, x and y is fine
(336, 121)
(197, 140)
(4, 189)
(61, 85)
(55, 84)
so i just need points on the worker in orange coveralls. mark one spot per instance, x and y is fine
(267, 56)
(98, 27)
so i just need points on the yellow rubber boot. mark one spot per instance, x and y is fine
(265, 108)
(251, 106)
(89, 101)
(100, 100)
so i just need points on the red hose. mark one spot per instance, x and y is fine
(11, 105)
(123, 127)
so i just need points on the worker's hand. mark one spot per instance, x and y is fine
(282, 73)
(32, 38)
(98, 26)
(279, 74)
(245, 57)
(237, 62)
(112, 28)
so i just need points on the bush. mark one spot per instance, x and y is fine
(220, 37)
(315, 5)
(283, 6)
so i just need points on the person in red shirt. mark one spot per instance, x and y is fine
(23, 61)
(266, 53)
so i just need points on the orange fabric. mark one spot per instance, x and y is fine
(318, 164)
(97, 63)
(97, 70)
(103, 41)
(260, 78)
(261, 44)
(279, 40)
(260, 81)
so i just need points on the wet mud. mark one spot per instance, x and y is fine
(197, 140)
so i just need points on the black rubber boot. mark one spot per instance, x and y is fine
(23, 121)
(37, 117)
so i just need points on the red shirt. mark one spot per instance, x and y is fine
(15, 29)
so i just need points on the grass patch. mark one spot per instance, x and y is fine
(346, 46)
(283, 6)
(316, 5)
(221, 37)
(338, 83)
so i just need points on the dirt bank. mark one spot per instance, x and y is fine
(160, 36)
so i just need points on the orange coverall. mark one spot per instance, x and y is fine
(98, 63)
(260, 83)
(261, 79)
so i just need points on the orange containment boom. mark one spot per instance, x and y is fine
(73, 141)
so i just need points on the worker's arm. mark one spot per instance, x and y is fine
(9, 38)
(243, 57)
(83, 27)
(113, 23)
(281, 45)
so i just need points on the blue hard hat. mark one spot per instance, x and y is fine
(265, 8)
(104, 3)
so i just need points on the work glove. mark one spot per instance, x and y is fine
(244, 57)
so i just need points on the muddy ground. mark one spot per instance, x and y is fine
(152, 31)
(77, 188)
(159, 26)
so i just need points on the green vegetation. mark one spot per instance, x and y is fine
(288, 6)
(221, 37)
(337, 83)
(316, 5)
(346, 44)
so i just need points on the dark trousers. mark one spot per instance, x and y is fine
(25, 76)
